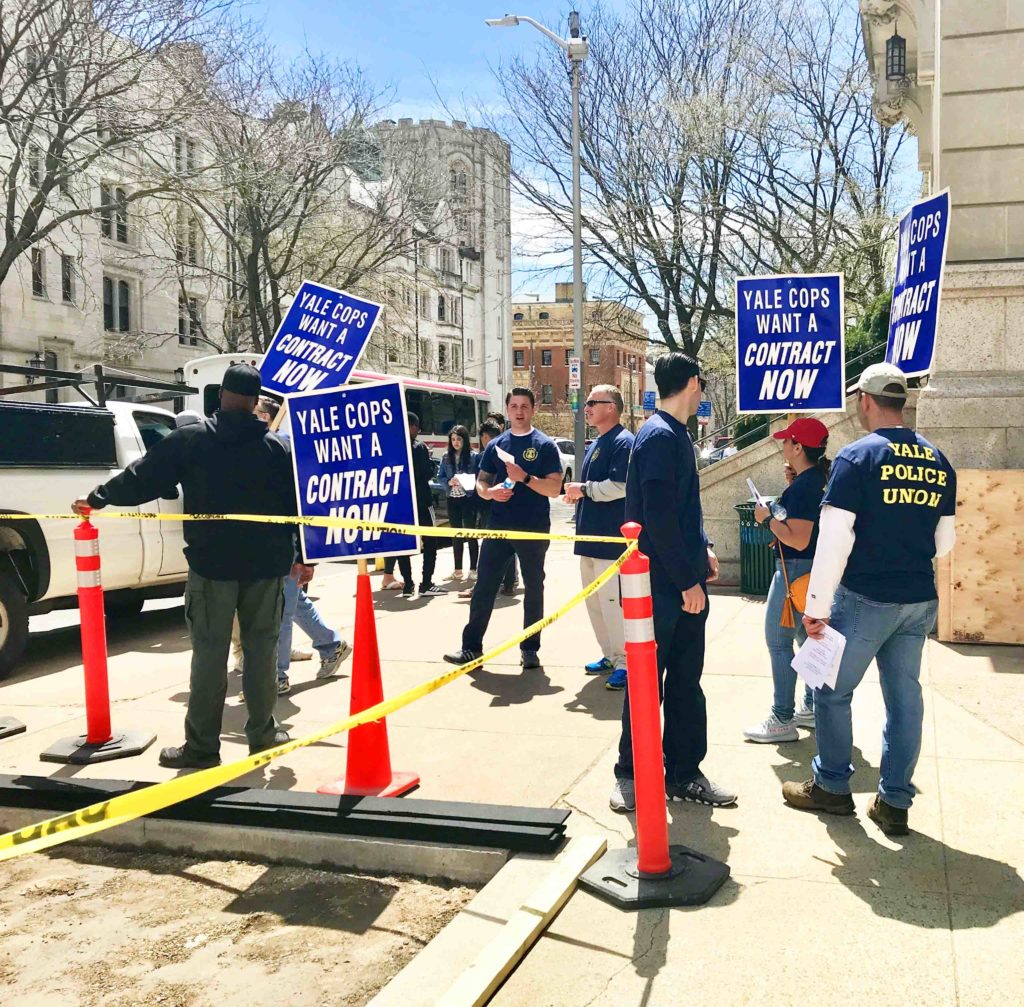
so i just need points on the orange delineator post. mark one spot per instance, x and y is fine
(99, 744)
(368, 759)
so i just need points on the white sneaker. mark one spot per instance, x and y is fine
(772, 729)
(623, 796)
(804, 717)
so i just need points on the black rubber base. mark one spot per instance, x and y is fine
(77, 752)
(10, 727)
(693, 880)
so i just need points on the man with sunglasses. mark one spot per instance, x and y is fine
(663, 497)
(600, 510)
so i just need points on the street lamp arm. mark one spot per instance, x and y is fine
(512, 20)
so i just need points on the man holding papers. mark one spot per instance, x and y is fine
(886, 514)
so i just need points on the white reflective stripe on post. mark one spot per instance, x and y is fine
(639, 630)
(87, 547)
(89, 578)
(635, 585)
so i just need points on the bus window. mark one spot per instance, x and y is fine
(483, 408)
(418, 401)
(211, 399)
(465, 413)
(443, 404)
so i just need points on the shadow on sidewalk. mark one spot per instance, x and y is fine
(595, 699)
(513, 687)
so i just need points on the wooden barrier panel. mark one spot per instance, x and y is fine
(981, 583)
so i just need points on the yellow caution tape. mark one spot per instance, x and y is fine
(127, 807)
(327, 522)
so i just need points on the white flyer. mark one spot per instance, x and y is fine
(504, 455)
(466, 480)
(754, 493)
(817, 661)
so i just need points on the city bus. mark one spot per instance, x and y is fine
(440, 405)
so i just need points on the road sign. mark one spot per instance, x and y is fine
(649, 402)
(920, 260)
(789, 344)
(575, 372)
(319, 341)
(352, 458)
(574, 400)
(704, 412)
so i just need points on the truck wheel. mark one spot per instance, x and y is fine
(13, 624)
(124, 605)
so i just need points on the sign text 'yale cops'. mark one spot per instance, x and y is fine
(320, 340)
(352, 459)
(789, 343)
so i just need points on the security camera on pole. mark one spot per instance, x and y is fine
(576, 48)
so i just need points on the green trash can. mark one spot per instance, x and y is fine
(757, 557)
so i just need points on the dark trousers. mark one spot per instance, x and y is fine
(495, 557)
(680, 641)
(426, 520)
(210, 607)
(462, 514)
(483, 513)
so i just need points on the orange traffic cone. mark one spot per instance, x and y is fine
(368, 761)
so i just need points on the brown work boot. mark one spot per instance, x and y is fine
(808, 796)
(892, 821)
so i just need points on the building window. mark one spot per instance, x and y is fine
(184, 154)
(517, 317)
(470, 355)
(456, 310)
(50, 362)
(544, 315)
(67, 279)
(445, 260)
(186, 248)
(407, 295)
(519, 358)
(440, 308)
(424, 360)
(595, 355)
(35, 165)
(121, 216)
(189, 322)
(106, 212)
(442, 357)
(458, 181)
(547, 394)
(618, 358)
(116, 305)
(38, 272)
(545, 358)
(455, 359)
(568, 355)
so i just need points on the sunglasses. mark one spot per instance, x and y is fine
(590, 403)
(703, 382)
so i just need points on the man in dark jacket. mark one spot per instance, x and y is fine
(230, 464)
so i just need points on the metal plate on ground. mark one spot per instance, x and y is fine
(79, 752)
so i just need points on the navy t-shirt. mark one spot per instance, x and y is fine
(606, 458)
(663, 496)
(899, 486)
(802, 500)
(526, 510)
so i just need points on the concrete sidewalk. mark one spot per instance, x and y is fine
(818, 910)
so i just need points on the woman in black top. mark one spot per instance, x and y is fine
(460, 460)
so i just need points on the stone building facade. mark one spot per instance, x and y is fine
(614, 352)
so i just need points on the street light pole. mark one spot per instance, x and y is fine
(575, 47)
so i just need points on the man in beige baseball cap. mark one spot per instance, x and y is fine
(881, 379)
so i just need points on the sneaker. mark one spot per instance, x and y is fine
(466, 592)
(601, 667)
(430, 590)
(302, 655)
(182, 758)
(804, 717)
(623, 796)
(808, 796)
(892, 821)
(508, 592)
(407, 590)
(616, 681)
(329, 665)
(283, 686)
(462, 656)
(772, 729)
(530, 660)
(472, 575)
(700, 790)
(281, 737)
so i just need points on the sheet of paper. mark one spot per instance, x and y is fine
(754, 493)
(504, 455)
(817, 661)
(466, 480)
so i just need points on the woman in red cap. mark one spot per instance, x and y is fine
(793, 520)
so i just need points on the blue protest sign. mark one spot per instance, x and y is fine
(789, 344)
(704, 410)
(920, 259)
(319, 341)
(352, 458)
(649, 402)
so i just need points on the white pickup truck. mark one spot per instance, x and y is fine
(49, 455)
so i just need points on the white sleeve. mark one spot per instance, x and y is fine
(945, 535)
(835, 543)
(606, 490)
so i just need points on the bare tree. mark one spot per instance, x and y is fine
(86, 90)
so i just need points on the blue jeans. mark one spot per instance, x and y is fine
(298, 608)
(894, 636)
(782, 642)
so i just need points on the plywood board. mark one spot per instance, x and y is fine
(981, 583)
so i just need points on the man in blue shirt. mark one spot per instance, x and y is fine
(600, 510)
(663, 497)
(519, 491)
(888, 511)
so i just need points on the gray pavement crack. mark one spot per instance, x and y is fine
(654, 921)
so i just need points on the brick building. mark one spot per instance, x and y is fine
(614, 348)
